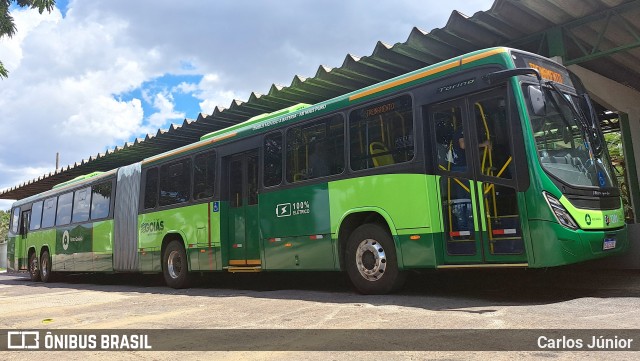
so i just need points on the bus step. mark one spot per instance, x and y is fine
(236, 269)
(484, 265)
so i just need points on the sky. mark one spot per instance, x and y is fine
(92, 75)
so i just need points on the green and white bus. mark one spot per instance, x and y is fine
(490, 159)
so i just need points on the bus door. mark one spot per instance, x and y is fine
(243, 231)
(23, 236)
(480, 212)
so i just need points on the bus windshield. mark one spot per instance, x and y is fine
(569, 144)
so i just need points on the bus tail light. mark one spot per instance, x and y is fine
(561, 213)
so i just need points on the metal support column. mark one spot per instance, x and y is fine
(555, 42)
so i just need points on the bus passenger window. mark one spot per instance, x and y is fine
(15, 220)
(175, 182)
(151, 189)
(36, 216)
(81, 202)
(315, 149)
(100, 200)
(382, 134)
(272, 159)
(63, 215)
(49, 212)
(204, 170)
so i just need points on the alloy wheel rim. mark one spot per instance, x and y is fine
(371, 260)
(174, 264)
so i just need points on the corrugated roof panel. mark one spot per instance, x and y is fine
(519, 16)
(386, 54)
(558, 14)
(458, 45)
(430, 45)
(472, 32)
(338, 79)
(496, 25)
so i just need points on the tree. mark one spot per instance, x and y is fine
(4, 225)
(8, 27)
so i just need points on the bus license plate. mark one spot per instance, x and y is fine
(609, 243)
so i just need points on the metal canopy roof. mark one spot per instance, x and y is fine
(600, 35)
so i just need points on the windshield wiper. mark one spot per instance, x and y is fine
(594, 133)
(591, 138)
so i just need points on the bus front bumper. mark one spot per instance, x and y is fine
(555, 245)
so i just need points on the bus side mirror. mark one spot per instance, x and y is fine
(536, 98)
(536, 93)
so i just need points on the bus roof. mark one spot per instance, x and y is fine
(256, 119)
(77, 179)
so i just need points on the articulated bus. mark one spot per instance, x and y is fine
(490, 159)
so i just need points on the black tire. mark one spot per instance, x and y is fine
(371, 262)
(175, 267)
(45, 267)
(34, 267)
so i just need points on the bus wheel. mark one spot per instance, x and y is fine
(175, 268)
(371, 261)
(34, 272)
(45, 266)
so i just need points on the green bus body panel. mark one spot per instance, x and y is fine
(555, 245)
(252, 220)
(404, 197)
(244, 240)
(84, 247)
(296, 229)
(237, 241)
(409, 204)
(295, 212)
(589, 219)
(299, 253)
(13, 257)
(191, 223)
(38, 240)
(103, 245)
(16, 253)
(551, 244)
(73, 248)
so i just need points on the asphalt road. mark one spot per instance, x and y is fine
(565, 298)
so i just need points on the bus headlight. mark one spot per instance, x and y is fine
(561, 213)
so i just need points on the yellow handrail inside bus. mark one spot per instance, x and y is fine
(487, 155)
(504, 167)
(487, 152)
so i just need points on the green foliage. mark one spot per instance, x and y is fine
(8, 27)
(4, 225)
(616, 153)
(614, 144)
